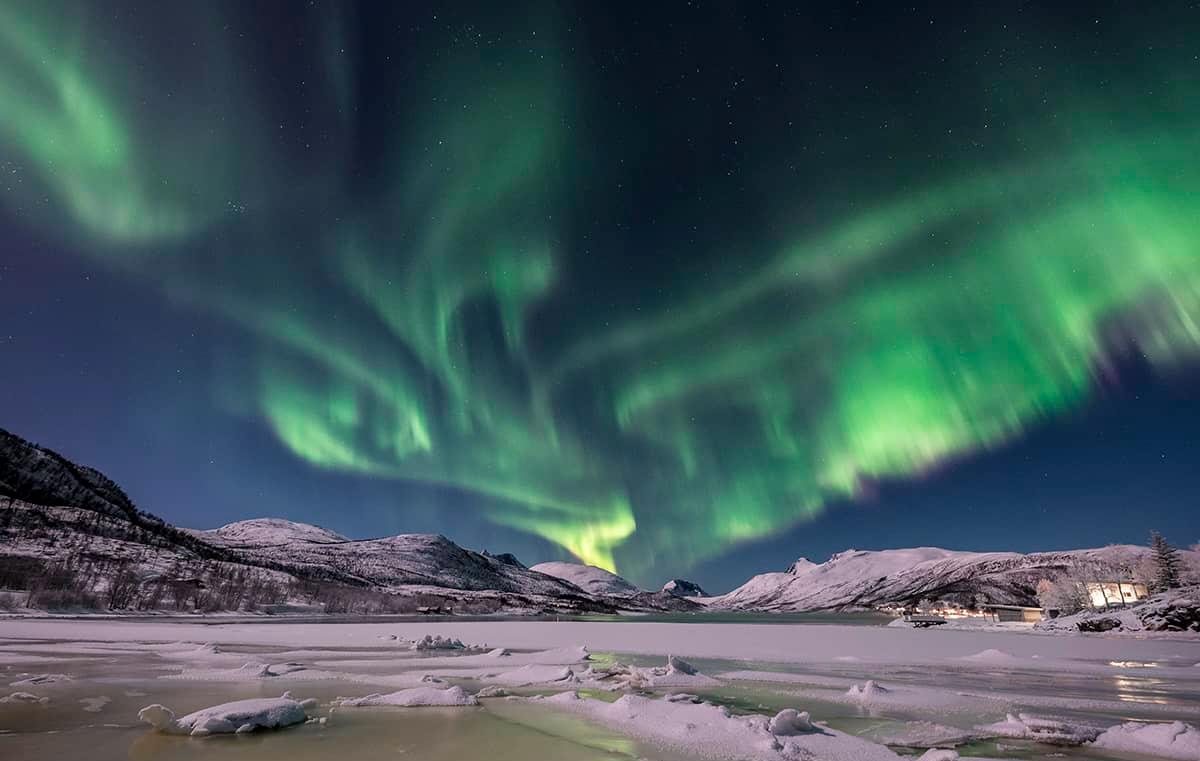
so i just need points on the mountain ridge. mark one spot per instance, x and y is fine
(60, 517)
(905, 577)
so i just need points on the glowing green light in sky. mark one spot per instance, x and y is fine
(398, 337)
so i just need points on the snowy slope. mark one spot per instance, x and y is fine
(589, 578)
(42, 476)
(867, 578)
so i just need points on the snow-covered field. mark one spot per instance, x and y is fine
(105, 689)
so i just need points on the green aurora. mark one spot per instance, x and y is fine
(398, 321)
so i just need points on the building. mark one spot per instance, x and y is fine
(1109, 594)
(1019, 614)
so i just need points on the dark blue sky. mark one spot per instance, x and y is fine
(637, 282)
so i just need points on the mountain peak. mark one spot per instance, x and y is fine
(683, 588)
(272, 531)
(589, 578)
(801, 565)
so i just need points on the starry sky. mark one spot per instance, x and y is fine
(678, 288)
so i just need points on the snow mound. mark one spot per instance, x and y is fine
(240, 716)
(413, 697)
(1175, 740)
(790, 722)
(868, 690)
(1041, 729)
(992, 655)
(704, 730)
(23, 697)
(534, 674)
(589, 578)
(939, 754)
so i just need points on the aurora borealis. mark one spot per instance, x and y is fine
(646, 284)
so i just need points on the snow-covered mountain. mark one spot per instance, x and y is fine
(860, 578)
(258, 532)
(389, 562)
(62, 520)
(683, 588)
(589, 578)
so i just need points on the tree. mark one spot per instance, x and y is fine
(1166, 561)
(1067, 594)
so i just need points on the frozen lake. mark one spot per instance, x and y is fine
(86, 680)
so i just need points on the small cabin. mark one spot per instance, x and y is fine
(1016, 614)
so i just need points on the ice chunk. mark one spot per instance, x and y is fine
(1041, 729)
(939, 754)
(30, 680)
(240, 716)
(1175, 740)
(923, 734)
(868, 690)
(619, 676)
(257, 670)
(23, 697)
(677, 665)
(789, 721)
(413, 696)
(438, 642)
(158, 716)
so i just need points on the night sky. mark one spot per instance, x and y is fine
(673, 288)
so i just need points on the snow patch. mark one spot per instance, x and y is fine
(534, 674)
(939, 754)
(704, 730)
(1175, 740)
(96, 704)
(412, 697)
(992, 655)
